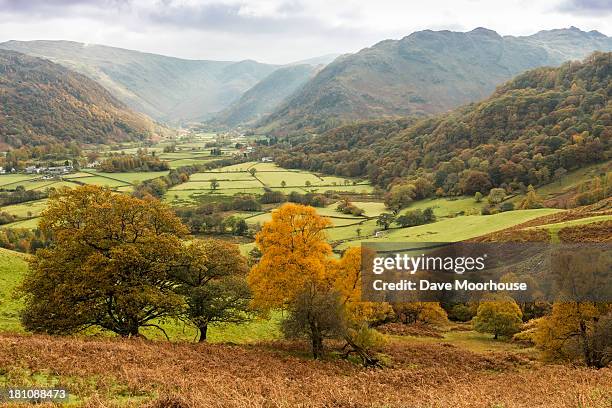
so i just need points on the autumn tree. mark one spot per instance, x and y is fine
(496, 196)
(576, 331)
(426, 312)
(475, 181)
(109, 265)
(316, 315)
(213, 281)
(574, 328)
(498, 315)
(400, 196)
(532, 200)
(297, 272)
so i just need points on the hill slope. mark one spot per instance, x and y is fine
(530, 131)
(266, 95)
(423, 73)
(41, 101)
(165, 88)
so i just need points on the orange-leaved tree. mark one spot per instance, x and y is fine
(297, 272)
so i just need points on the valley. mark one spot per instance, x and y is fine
(186, 233)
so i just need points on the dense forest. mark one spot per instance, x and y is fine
(42, 102)
(534, 128)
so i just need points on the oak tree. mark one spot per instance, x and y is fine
(109, 265)
(213, 281)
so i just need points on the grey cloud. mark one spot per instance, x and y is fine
(219, 17)
(590, 7)
(56, 7)
(228, 18)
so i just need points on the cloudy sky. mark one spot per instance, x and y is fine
(281, 31)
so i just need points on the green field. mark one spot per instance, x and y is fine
(236, 179)
(223, 185)
(31, 223)
(103, 181)
(7, 180)
(556, 227)
(451, 229)
(444, 207)
(31, 208)
(208, 176)
(174, 164)
(12, 269)
(128, 177)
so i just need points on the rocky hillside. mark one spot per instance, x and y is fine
(426, 72)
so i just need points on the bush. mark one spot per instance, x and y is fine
(425, 312)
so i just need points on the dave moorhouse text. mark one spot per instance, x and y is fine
(463, 284)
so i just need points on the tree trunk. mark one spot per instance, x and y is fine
(586, 350)
(367, 359)
(203, 330)
(317, 341)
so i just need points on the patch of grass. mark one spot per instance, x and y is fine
(456, 229)
(7, 180)
(128, 177)
(23, 209)
(445, 207)
(220, 176)
(13, 267)
(31, 223)
(291, 178)
(469, 340)
(103, 181)
(223, 185)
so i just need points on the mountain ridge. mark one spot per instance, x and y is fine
(265, 96)
(166, 88)
(423, 73)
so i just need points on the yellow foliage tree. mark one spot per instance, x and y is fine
(294, 255)
(570, 331)
(498, 315)
(110, 264)
(296, 262)
(426, 312)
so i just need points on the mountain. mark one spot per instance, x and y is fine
(42, 102)
(531, 130)
(165, 88)
(266, 95)
(426, 72)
